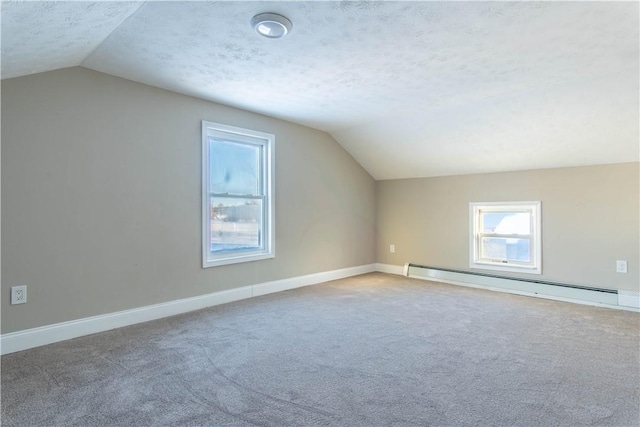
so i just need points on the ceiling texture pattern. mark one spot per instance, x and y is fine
(410, 89)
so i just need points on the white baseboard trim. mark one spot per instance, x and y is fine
(310, 279)
(49, 334)
(391, 269)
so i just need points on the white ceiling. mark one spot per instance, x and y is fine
(410, 89)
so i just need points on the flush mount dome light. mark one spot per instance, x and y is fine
(271, 25)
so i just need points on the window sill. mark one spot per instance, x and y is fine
(217, 262)
(507, 267)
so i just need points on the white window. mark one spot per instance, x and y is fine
(505, 236)
(237, 195)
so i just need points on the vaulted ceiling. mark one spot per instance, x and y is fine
(410, 89)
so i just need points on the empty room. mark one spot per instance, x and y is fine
(353, 213)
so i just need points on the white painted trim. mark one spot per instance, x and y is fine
(246, 136)
(30, 338)
(310, 279)
(391, 269)
(22, 340)
(534, 207)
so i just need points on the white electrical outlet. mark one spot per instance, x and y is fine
(392, 249)
(18, 295)
(621, 266)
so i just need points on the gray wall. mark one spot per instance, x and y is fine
(101, 204)
(590, 218)
(101, 198)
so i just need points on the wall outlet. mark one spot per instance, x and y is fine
(392, 249)
(18, 295)
(621, 266)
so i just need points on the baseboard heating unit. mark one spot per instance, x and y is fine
(522, 286)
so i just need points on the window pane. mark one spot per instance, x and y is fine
(234, 168)
(506, 222)
(497, 248)
(235, 225)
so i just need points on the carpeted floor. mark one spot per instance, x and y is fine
(372, 350)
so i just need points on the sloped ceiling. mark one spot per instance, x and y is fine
(410, 89)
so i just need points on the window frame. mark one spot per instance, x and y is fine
(476, 234)
(243, 136)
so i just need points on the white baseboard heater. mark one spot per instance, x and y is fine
(517, 285)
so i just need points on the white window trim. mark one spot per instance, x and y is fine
(268, 229)
(535, 208)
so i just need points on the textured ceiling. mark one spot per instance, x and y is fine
(410, 89)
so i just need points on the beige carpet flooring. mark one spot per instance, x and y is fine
(372, 350)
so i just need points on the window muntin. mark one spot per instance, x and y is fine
(505, 236)
(237, 195)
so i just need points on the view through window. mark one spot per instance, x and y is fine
(237, 195)
(505, 236)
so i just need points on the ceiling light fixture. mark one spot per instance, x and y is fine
(271, 25)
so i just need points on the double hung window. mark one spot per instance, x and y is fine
(505, 236)
(237, 195)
